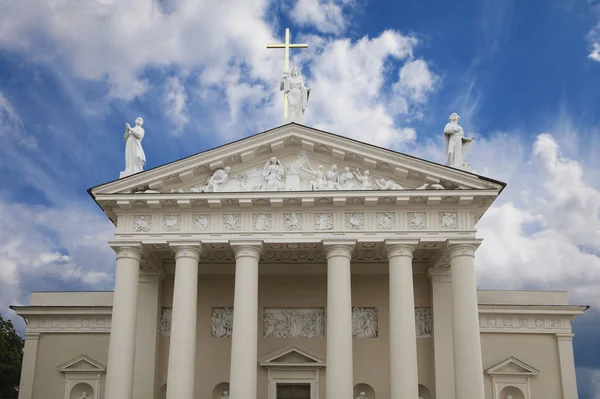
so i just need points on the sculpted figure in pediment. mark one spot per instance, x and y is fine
(347, 180)
(318, 182)
(331, 178)
(214, 182)
(385, 184)
(366, 182)
(273, 175)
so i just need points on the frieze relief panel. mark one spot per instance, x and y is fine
(423, 322)
(364, 322)
(293, 322)
(221, 322)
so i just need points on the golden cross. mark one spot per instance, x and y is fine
(286, 46)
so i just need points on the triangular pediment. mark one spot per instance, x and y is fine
(512, 366)
(297, 152)
(292, 356)
(81, 363)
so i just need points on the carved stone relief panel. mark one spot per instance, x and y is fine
(261, 221)
(232, 222)
(416, 220)
(171, 222)
(294, 322)
(202, 222)
(222, 322)
(164, 327)
(355, 220)
(448, 220)
(292, 221)
(386, 220)
(142, 223)
(323, 221)
(423, 322)
(364, 322)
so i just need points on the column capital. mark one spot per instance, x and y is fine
(243, 249)
(463, 247)
(565, 336)
(396, 248)
(127, 249)
(439, 274)
(31, 335)
(151, 275)
(186, 249)
(334, 248)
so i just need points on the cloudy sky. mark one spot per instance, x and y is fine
(524, 76)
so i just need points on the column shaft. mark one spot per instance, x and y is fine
(567, 365)
(244, 339)
(121, 350)
(28, 366)
(468, 363)
(182, 351)
(442, 332)
(404, 380)
(339, 381)
(146, 342)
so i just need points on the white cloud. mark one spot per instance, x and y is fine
(327, 16)
(416, 81)
(44, 245)
(175, 102)
(593, 38)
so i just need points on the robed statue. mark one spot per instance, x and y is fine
(135, 159)
(457, 144)
(297, 95)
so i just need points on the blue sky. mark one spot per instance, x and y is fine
(523, 75)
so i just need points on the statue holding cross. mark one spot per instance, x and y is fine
(295, 94)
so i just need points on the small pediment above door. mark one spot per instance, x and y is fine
(81, 363)
(292, 356)
(512, 366)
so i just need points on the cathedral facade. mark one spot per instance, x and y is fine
(298, 264)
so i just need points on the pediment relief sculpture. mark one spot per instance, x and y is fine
(296, 173)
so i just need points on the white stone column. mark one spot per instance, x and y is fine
(121, 350)
(181, 374)
(468, 364)
(567, 365)
(404, 379)
(339, 377)
(244, 339)
(146, 341)
(28, 366)
(442, 332)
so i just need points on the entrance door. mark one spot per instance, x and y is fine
(293, 391)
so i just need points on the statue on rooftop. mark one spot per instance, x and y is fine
(297, 95)
(457, 144)
(135, 159)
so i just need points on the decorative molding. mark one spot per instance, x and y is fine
(323, 221)
(293, 322)
(262, 221)
(417, 220)
(202, 222)
(448, 220)
(142, 223)
(232, 221)
(221, 323)
(355, 220)
(523, 323)
(423, 322)
(292, 221)
(172, 223)
(164, 326)
(69, 323)
(364, 322)
(386, 220)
